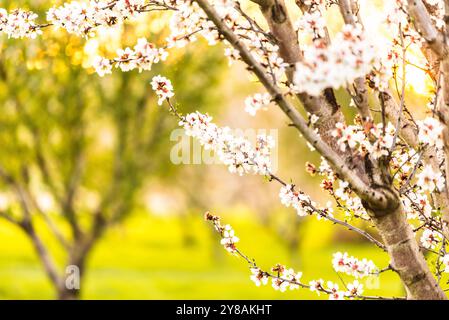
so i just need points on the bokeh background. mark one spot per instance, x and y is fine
(54, 106)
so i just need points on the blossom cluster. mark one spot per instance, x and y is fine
(430, 180)
(430, 132)
(312, 23)
(430, 239)
(339, 190)
(296, 199)
(257, 102)
(285, 278)
(229, 239)
(342, 262)
(350, 56)
(258, 276)
(417, 206)
(163, 88)
(82, 18)
(234, 151)
(189, 20)
(19, 24)
(403, 35)
(355, 137)
(142, 57)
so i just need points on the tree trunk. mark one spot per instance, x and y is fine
(68, 294)
(406, 258)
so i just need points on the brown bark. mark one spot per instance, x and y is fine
(68, 294)
(406, 258)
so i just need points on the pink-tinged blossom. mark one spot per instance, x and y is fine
(236, 152)
(430, 180)
(335, 294)
(342, 262)
(257, 102)
(19, 24)
(279, 284)
(296, 199)
(163, 88)
(285, 278)
(259, 277)
(316, 286)
(229, 239)
(430, 239)
(102, 66)
(430, 132)
(313, 23)
(293, 277)
(82, 18)
(126, 59)
(350, 56)
(355, 288)
(348, 136)
(417, 205)
(141, 57)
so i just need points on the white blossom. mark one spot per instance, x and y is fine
(229, 239)
(350, 56)
(430, 132)
(355, 288)
(258, 277)
(236, 152)
(342, 262)
(257, 102)
(19, 24)
(163, 88)
(430, 239)
(430, 180)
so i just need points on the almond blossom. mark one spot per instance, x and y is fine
(82, 18)
(258, 276)
(257, 102)
(351, 55)
(342, 262)
(430, 239)
(297, 199)
(163, 88)
(236, 152)
(335, 294)
(313, 23)
(316, 286)
(19, 24)
(102, 66)
(229, 239)
(430, 132)
(141, 57)
(355, 288)
(430, 180)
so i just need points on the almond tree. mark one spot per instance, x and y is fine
(68, 138)
(384, 167)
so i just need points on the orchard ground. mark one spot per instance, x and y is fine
(148, 258)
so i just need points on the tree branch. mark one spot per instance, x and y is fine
(375, 197)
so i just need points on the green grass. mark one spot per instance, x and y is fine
(147, 258)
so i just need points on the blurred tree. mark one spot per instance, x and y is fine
(77, 149)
